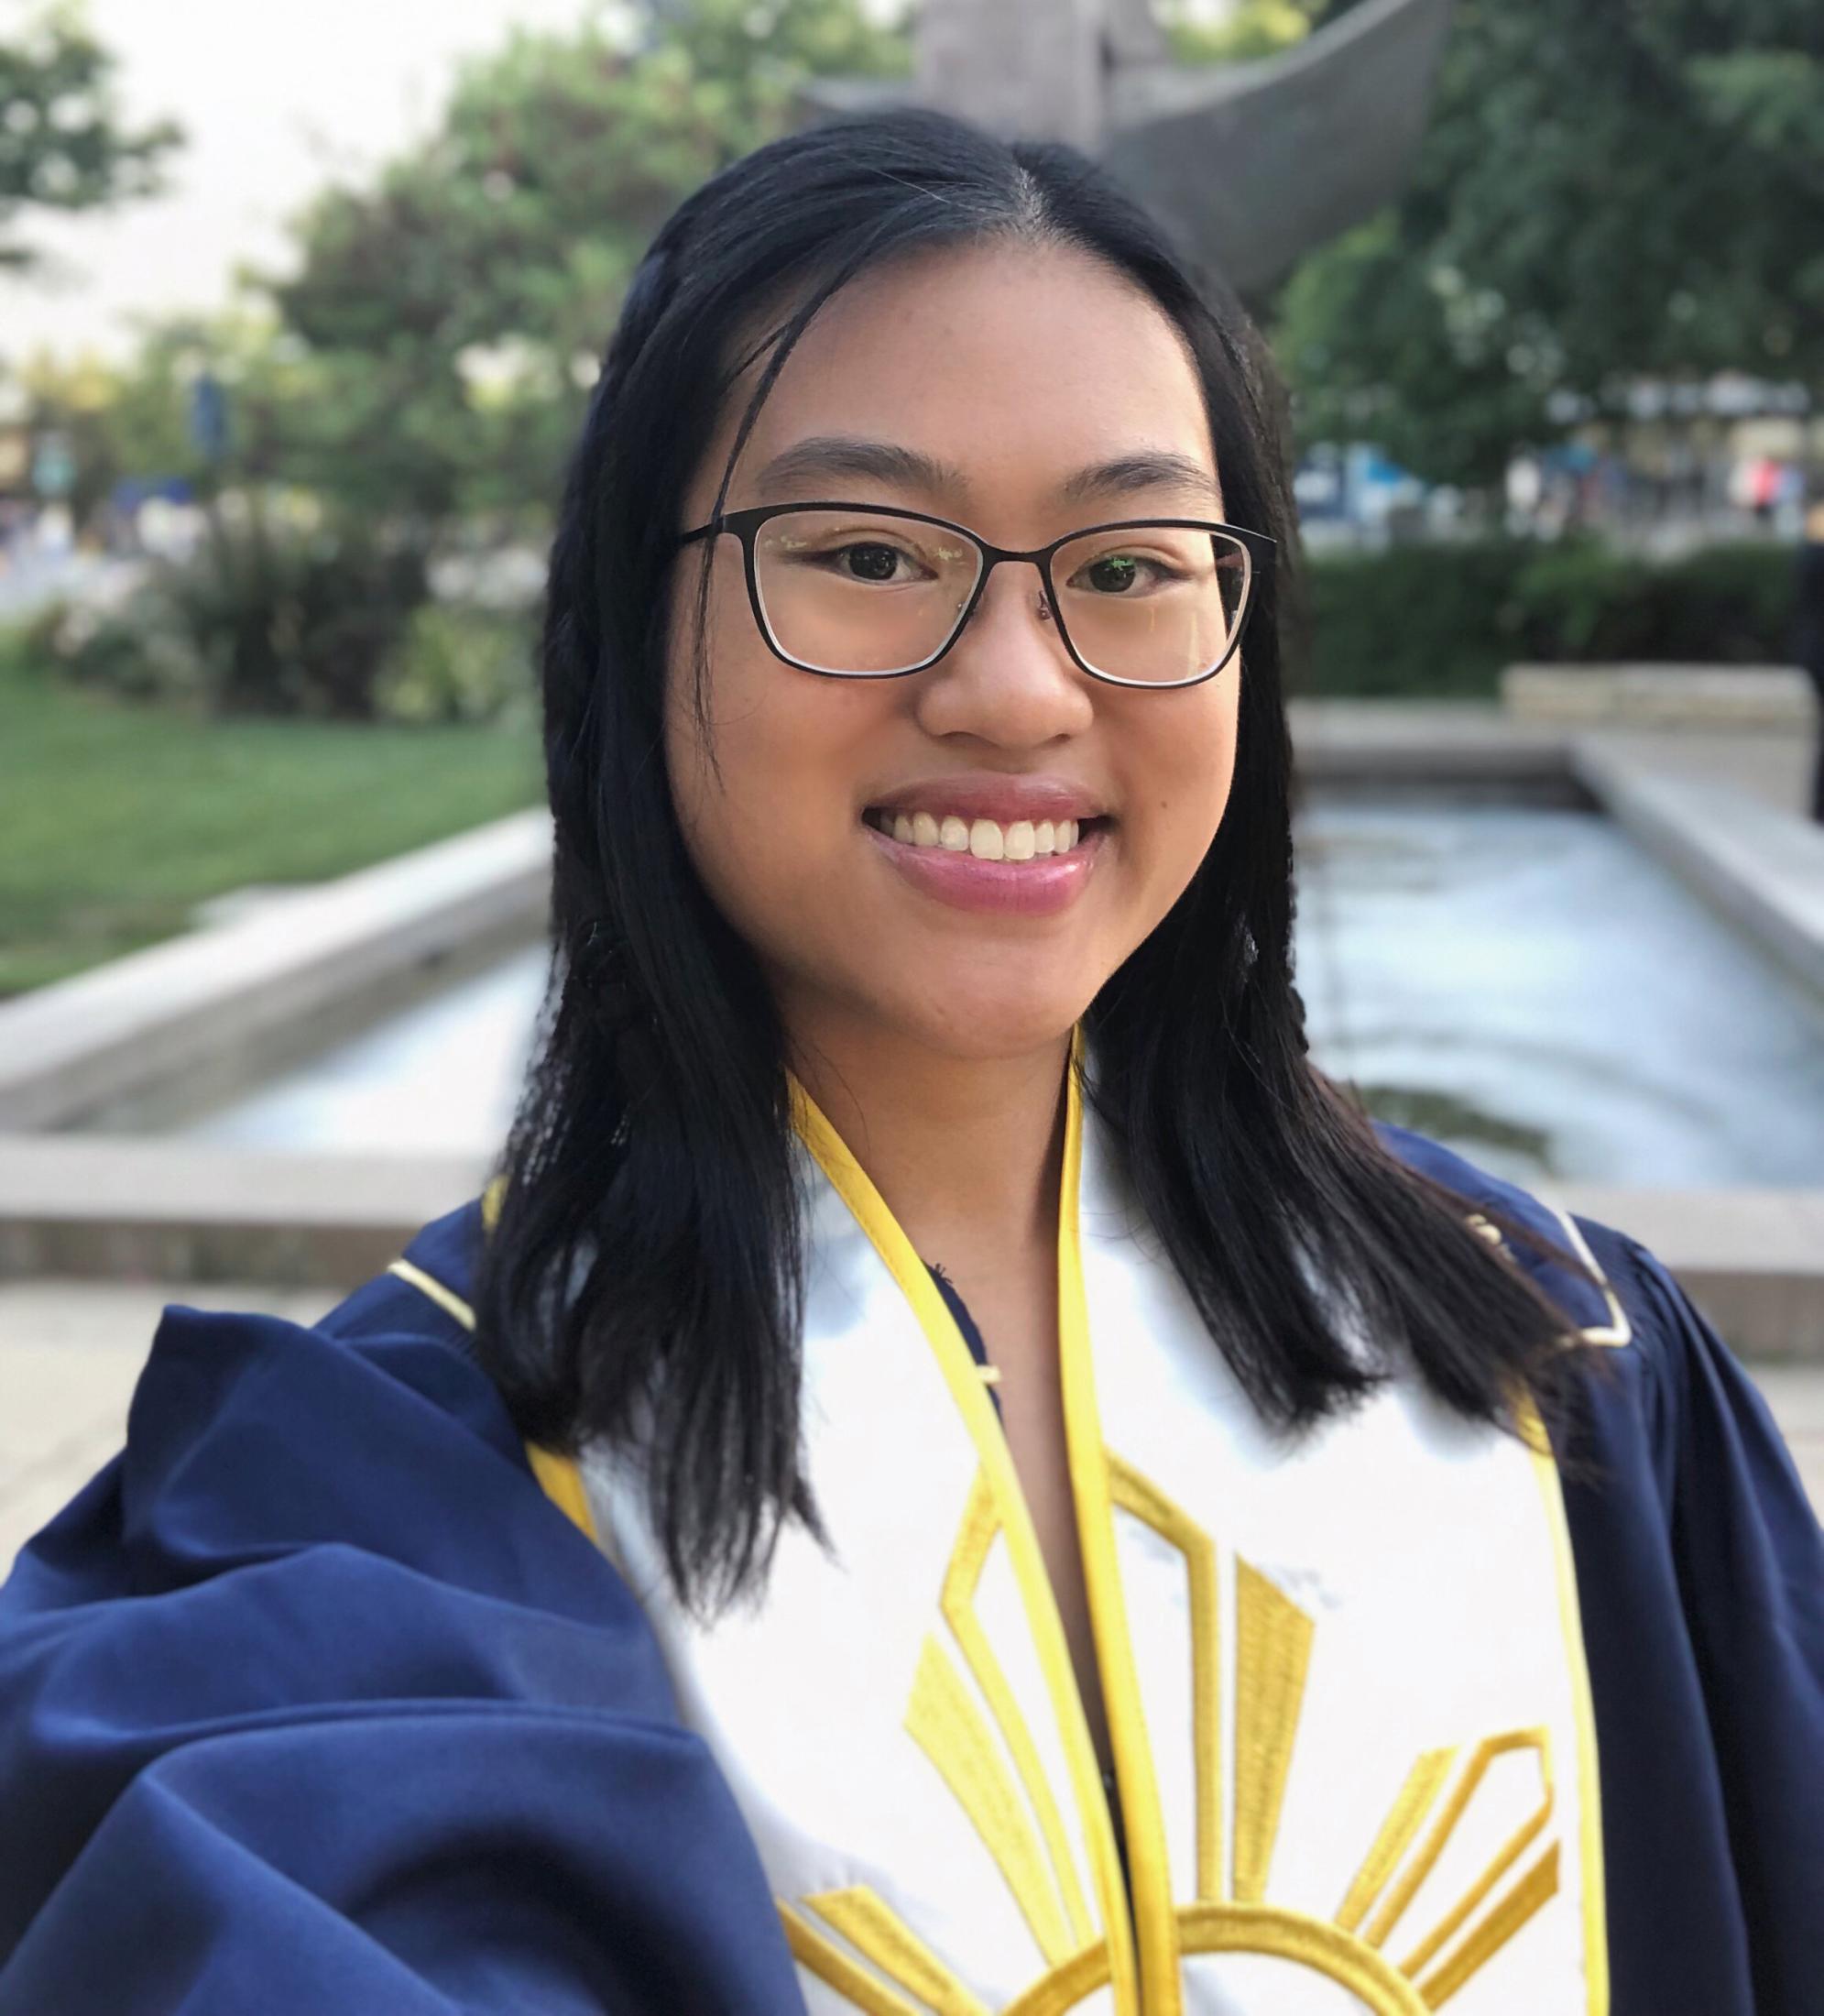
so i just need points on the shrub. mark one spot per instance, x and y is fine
(1575, 601)
(1412, 619)
(1441, 622)
(459, 662)
(293, 621)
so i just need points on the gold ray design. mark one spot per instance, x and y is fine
(1148, 1504)
(947, 1727)
(833, 1967)
(873, 1928)
(1404, 1817)
(1015, 1810)
(1272, 1654)
(981, 1523)
(1527, 1896)
(1509, 1853)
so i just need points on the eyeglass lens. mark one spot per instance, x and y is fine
(870, 592)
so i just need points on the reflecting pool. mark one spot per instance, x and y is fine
(441, 1077)
(1522, 984)
(1530, 988)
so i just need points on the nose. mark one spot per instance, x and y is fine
(1008, 679)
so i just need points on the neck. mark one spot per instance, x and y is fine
(966, 1153)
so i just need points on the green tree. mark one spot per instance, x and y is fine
(62, 142)
(135, 417)
(149, 411)
(69, 400)
(453, 312)
(1196, 34)
(1603, 193)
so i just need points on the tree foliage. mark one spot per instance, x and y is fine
(62, 142)
(133, 418)
(1604, 193)
(1251, 28)
(454, 312)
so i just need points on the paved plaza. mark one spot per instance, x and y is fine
(70, 1353)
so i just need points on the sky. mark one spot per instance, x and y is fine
(277, 97)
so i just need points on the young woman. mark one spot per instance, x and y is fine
(951, 1470)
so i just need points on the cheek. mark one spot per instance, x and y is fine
(764, 789)
(1187, 758)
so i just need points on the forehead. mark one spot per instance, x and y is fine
(1013, 365)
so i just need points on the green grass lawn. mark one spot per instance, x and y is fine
(116, 819)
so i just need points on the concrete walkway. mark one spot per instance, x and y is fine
(1772, 768)
(70, 1351)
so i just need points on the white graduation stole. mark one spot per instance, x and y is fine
(1344, 1674)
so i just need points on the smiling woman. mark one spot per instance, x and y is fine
(779, 782)
(952, 1469)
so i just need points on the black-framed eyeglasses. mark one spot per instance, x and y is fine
(861, 591)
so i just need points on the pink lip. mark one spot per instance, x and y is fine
(1038, 888)
(1003, 797)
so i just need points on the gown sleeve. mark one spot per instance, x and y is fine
(1681, 1429)
(311, 1701)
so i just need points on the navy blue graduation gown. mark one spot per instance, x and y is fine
(313, 1700)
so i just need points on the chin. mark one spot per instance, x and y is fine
(978, 1024)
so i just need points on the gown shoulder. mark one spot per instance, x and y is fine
(1700, 1574)
(311, 1700)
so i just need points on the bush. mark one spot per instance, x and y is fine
(1413, 619)
(459, 662)
(298, 620)
(1441, 622)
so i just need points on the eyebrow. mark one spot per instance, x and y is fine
(825, 456)
(1145, 469)
(851, 454)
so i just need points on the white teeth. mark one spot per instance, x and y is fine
(987, 841)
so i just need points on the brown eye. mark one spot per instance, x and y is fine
(1115, 574)
(871, 563)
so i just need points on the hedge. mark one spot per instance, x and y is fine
(1442, 621)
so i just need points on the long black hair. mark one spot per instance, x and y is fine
(642, 1283)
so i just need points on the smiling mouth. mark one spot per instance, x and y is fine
(986, 839)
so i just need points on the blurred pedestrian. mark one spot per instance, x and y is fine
(1809, 631)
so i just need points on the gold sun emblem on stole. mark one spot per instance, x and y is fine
(979, 1742)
